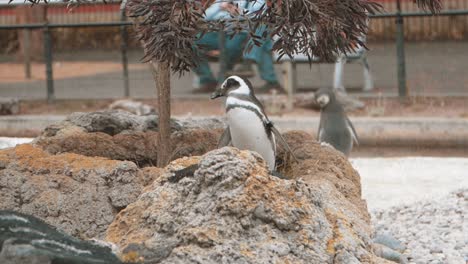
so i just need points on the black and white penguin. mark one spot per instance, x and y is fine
(248, 126)
(335, 128)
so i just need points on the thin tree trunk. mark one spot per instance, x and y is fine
(162, 75)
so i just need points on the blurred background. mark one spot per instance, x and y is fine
(56, 59)
(87, 62)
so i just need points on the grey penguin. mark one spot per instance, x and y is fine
(335, 128)
(248, 125)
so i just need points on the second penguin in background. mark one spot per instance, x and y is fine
(335, 128)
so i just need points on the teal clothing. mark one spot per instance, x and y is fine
(214, 11)
(233, 51)
(234, 47)
(262, 55)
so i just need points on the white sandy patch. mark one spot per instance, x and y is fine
(8, 142)
(390, 182)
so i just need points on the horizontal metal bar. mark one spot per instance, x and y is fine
(421, 14)
(67, 25)
(129, 23)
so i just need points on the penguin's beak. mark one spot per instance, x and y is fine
(217, 93)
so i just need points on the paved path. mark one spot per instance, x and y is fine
(432, 68)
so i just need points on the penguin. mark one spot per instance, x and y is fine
(248, 126)
(335, 128)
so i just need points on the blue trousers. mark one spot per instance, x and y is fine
(234, 48)
(263, 57)
(210, 41)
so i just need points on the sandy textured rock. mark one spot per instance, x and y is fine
(202, 123)
(77, 194)
(120, 135)
(230, 210)
(320, 162)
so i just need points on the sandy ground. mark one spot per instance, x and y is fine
(388, 182)
(14, 72)
(8, 142)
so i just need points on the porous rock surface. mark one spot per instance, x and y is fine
(224, 207)
(77, 194)
(120, 135)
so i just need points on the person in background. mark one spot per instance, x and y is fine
(262, 56)
(219, 10)
(234, 47)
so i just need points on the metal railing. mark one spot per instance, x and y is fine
(123, 23)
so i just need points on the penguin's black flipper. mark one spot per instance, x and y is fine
(225, 138)
(281, 140)
(352, 130)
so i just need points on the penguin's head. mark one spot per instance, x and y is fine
(323, 97)
(233, 84)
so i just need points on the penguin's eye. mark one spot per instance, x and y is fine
(231, 84)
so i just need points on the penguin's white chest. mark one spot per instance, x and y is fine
(248, 132)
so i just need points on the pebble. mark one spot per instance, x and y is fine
(428, 231)
(436, 249)
(389, 241)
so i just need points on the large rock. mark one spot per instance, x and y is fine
(120, 135)
(27, 240)
(78, 194)
(134, 107)
(224, 207)
(9, 106)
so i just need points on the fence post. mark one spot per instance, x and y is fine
(48, 62)
(400, 45)
(27, 53)
(123, 49)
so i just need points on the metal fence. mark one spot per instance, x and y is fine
(114, 18)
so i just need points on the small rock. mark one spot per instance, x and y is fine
(9, 106)
(435, 249)
(387, 253)
(27, 240)
(389, 241)
(134, 107)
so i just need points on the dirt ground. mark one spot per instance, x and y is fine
(14, 72)
(448, 107)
